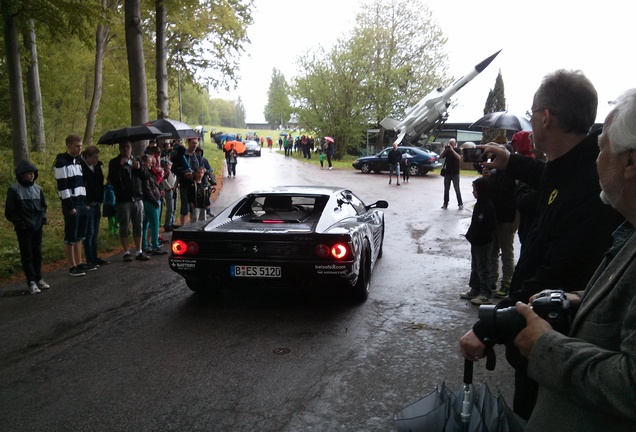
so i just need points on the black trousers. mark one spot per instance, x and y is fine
(30, 243)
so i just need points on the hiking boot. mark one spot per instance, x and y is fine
(469, 295)
(75, 271)
(142, 257)
(33, 288)
(159, 251)
(42, 285)
(481, 300)
(127, 257)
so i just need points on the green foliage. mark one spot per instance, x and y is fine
(496, 100)
(278, 109)
(391, 59)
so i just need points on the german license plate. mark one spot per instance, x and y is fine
(255, 271)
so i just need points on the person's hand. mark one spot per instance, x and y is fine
(500, 153)
(575, 299)
(72, 211)
(471, 347)
(535, 327)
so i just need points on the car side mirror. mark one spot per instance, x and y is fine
(378, 204)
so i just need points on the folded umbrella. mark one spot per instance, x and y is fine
(463, 410)
(131, 133)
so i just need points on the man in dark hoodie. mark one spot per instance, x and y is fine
(25, 208)
(94, 184)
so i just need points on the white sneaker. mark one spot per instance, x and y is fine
(481, 300)
(43, 285)
(33, 288)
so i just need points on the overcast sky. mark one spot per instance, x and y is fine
(537, 37)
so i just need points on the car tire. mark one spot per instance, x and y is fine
(365, 168)
(362, 286)
(200, 287)
(414, 170)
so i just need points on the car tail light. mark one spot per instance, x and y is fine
(339, 251)
(179, 247)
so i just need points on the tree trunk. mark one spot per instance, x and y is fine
(36, 115)
(16, 94)
(136, 68)
(162, 62)
(101, 38)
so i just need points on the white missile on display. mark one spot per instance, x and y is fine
(422, 117)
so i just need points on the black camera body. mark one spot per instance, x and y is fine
(505, 323)
(473, 155)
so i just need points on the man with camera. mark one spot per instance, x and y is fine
(588, 379)
(572, 230)
(450, 172)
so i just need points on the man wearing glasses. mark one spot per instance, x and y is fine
(573, 228)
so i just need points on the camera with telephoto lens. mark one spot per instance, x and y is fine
(505, 323)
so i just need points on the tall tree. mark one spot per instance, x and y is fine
(392, 58)
(101, 41)
(161, 59)
(136, 65)
(14, 67)
(278, 108)
(36, 115)
(496, 100)
(404, 48)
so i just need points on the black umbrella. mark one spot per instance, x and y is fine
(173, 129)
(132, 133)
(503, 120)
(462, 410)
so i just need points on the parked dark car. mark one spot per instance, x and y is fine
(421, 162)
(297, 237)
(252, 148)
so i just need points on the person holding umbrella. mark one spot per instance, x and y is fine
(126, 177)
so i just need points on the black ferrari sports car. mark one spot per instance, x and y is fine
(296, 236)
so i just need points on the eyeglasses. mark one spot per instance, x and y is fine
(530, 112)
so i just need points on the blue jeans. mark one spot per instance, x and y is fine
(151, 221)
(93, 216)
(480, 271)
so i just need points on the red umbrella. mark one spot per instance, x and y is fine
(329, 139)
(238, 146)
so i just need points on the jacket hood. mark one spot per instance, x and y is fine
(25, 166)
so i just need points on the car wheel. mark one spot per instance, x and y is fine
(365, 168)
(199, 287)
(361, 288)
(414, 170)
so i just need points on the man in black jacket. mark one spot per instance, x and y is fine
(451, 172)
(395, 157)
(94, 184)
(125, 174)
(573, 227)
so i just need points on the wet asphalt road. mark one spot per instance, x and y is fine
(129, 348)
